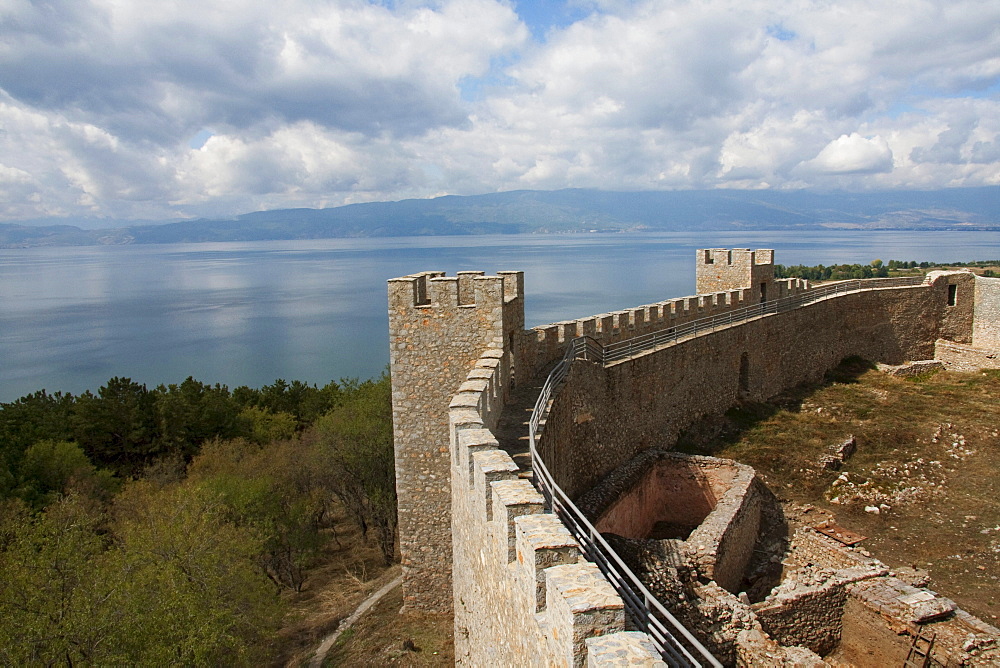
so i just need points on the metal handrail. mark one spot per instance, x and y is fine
(643, 609)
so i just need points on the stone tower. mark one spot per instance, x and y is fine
(722, 269)
(438, 327)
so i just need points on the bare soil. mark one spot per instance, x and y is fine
(923, 485)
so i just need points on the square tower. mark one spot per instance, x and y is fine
(439, 326)
(724, 269)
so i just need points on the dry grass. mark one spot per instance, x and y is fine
(928, 458)
(384, 637)
(344, 575)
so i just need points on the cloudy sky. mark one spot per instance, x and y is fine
(178, 108)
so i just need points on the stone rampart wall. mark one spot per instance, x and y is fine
(523, 595)
(510, 556)
(541, 346)
(603, 417)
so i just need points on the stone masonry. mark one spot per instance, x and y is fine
(722, 269)
(475, 535)
(438, 328)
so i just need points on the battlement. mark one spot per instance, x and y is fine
(430, 289)
(474, 533)
(549, 341)
(511, 555)
(735, 256)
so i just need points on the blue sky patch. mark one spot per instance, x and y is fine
(781, 33)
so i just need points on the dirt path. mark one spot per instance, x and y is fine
(324, 647)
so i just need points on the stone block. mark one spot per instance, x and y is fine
(542, 541)
(511, 499)
(628, 648)
(490, 466)
(579, 604)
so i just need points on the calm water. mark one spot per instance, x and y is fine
(247, 313)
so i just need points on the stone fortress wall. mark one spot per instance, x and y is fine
(474, 533)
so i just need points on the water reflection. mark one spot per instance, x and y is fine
(247, 313)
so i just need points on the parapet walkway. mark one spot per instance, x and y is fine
(512, 429)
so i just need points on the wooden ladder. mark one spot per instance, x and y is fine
(919, 655)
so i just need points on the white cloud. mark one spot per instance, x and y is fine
(852, 154)
(322, 102)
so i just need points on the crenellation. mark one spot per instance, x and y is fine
(487, 389)
(469, 442)
(511, 499)
(542, 541)
(411, 290)
(550, 338)
(494, 352)
(462, 419)
(473, 400)
(481, 372)
(476, 385)
(489, 466)
(490, 364)
(579, 599)
(466, 291)
(489, 290)
(521, 592)
(637, 319)
(513, 283)
(670, 312)
(654, 316)
(570, 330)
(607, 327)
(623, 324)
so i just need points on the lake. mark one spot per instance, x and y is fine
(248, 313)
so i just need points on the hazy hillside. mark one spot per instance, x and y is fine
(558, 211)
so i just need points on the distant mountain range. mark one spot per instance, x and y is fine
(560, 211)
